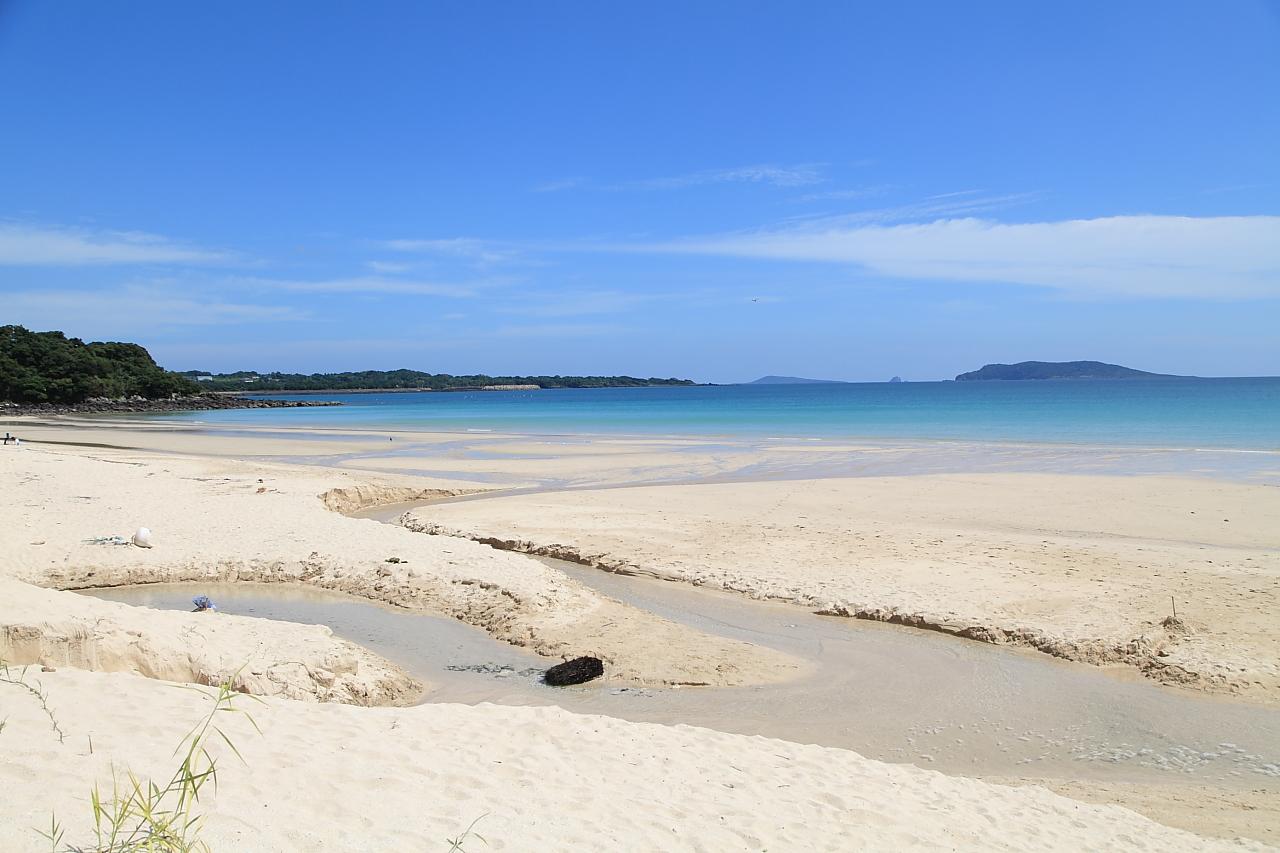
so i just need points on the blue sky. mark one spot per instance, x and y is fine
(712, 190)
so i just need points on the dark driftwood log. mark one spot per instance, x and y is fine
(575, 671)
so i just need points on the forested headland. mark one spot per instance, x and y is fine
(49, 367)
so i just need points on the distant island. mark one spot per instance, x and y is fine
(1059, 370)
(407, 380)
(792, 380)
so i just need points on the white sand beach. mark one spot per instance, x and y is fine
(1077, 566)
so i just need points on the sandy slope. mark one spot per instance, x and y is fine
(1082, 567)
(225, 520)
(332, 777)
(47, 627)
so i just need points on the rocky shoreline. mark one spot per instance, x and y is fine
(206, 402)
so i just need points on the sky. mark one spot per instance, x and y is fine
(711, 190)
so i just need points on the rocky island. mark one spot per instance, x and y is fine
(1059, 370)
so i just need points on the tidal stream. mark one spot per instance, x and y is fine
(888, 692)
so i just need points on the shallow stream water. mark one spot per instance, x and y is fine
(888, 692)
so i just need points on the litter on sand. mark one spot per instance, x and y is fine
(203, 603)
(108, 540)
(142, 539)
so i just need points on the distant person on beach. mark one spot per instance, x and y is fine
(7, 437)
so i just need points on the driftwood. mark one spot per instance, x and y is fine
(575, 671)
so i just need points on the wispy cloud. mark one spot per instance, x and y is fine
(463, 248)
(943, 205)
(843, 195)
(134, 309)
(34, 245)
(363, 284)
(796, 175)
(1120, 256)
(388, 266)
(803, 174)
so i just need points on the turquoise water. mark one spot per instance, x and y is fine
(1210, 413)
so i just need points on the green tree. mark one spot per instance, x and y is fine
(49, 367)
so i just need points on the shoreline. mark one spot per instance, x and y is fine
(761, 437)
(785, 458)
(204, 403)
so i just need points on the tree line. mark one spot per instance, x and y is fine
(405, 379)
(49, 367)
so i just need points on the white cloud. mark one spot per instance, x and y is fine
(388, 266)
(1120, 256)
(464, 248)
(843, 195)
(942, 206)
(30, 245)
(800, 175)
(364, 284)
(132, 309)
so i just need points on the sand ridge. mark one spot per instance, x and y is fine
(1086, 568)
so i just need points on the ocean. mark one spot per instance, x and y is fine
(1242, 414)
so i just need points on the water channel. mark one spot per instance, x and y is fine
(888, 692)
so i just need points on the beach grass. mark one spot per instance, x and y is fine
(144, 816)
(8, 676)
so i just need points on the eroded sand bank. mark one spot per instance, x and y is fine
(1087, 568)
(219, 520)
